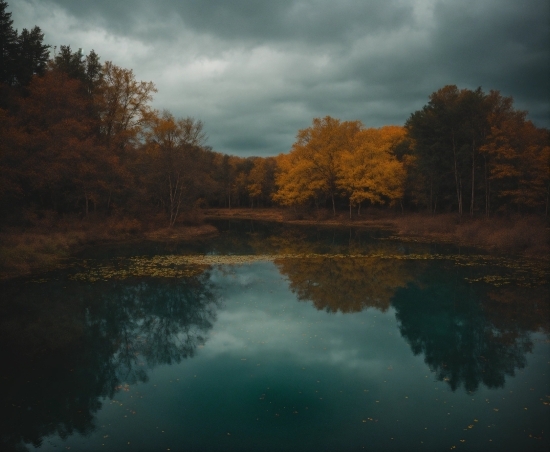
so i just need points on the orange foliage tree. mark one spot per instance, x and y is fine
(310, 171)
(63, 161)
(369, 171)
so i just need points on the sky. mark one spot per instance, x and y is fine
(255, 72)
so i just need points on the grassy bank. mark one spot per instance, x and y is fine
(526, 235)
(45, 243)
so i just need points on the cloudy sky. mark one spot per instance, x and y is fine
(257, 71)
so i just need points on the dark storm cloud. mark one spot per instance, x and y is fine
(314, 22)
(257, 71)
(501, 45)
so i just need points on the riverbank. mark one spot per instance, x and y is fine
(524, 235)
(47, 243)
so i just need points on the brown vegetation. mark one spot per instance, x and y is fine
(527, 235)
(47, 242)
(80, 139)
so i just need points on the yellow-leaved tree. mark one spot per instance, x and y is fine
(310, 171)
(369, 170)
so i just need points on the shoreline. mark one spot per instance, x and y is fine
(47, 243)
(528, 236)
(38, 249)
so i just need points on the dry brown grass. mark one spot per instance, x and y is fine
(21, 253)
(260, 214)
(528, 235)
(525, 235)
(45, 242)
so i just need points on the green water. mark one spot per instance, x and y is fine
(278, 338)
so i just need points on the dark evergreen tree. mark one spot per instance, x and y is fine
(72, 63)
(8, 44)
(87, 68)
(32, 55)
(448, 133)
(93, 74)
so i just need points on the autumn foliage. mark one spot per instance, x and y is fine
(79, 136)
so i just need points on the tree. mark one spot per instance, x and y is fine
(261, 179)
(448, 134)
(256, 179)
(519, 156)
(87, 69)
(172, 145)
(21, 55)
(123, 105)
(436, 132)
(224, 175)
(93, 76)
(370, 170)
(31, 54)
(70, 62)
(294, 186)
(62, 162)
(311, 169)
(475, 126)
(11, 138)
(8, 45)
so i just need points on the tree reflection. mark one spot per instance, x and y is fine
(76, 344)
(469, 336)
(248, 237)
(347, 284)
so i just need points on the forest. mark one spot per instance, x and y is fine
(79, 137)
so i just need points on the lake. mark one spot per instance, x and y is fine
(272, 337)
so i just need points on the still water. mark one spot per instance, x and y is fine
(278, 338)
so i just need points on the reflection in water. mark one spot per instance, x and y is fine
(347, 284)
(467, 337)
(72, 342)
(75, 344)
(468, 333)
(239, 237)
(444, 319)
(514, 308)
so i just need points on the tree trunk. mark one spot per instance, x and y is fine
(458, 181)
(176, 193)
(333, 205)
(473, 178)
(486, 187)
(432, 211)
(547, 199)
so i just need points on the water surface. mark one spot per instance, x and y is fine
(279, 338)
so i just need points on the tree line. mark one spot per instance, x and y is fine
(79, 135)
(465, 151)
